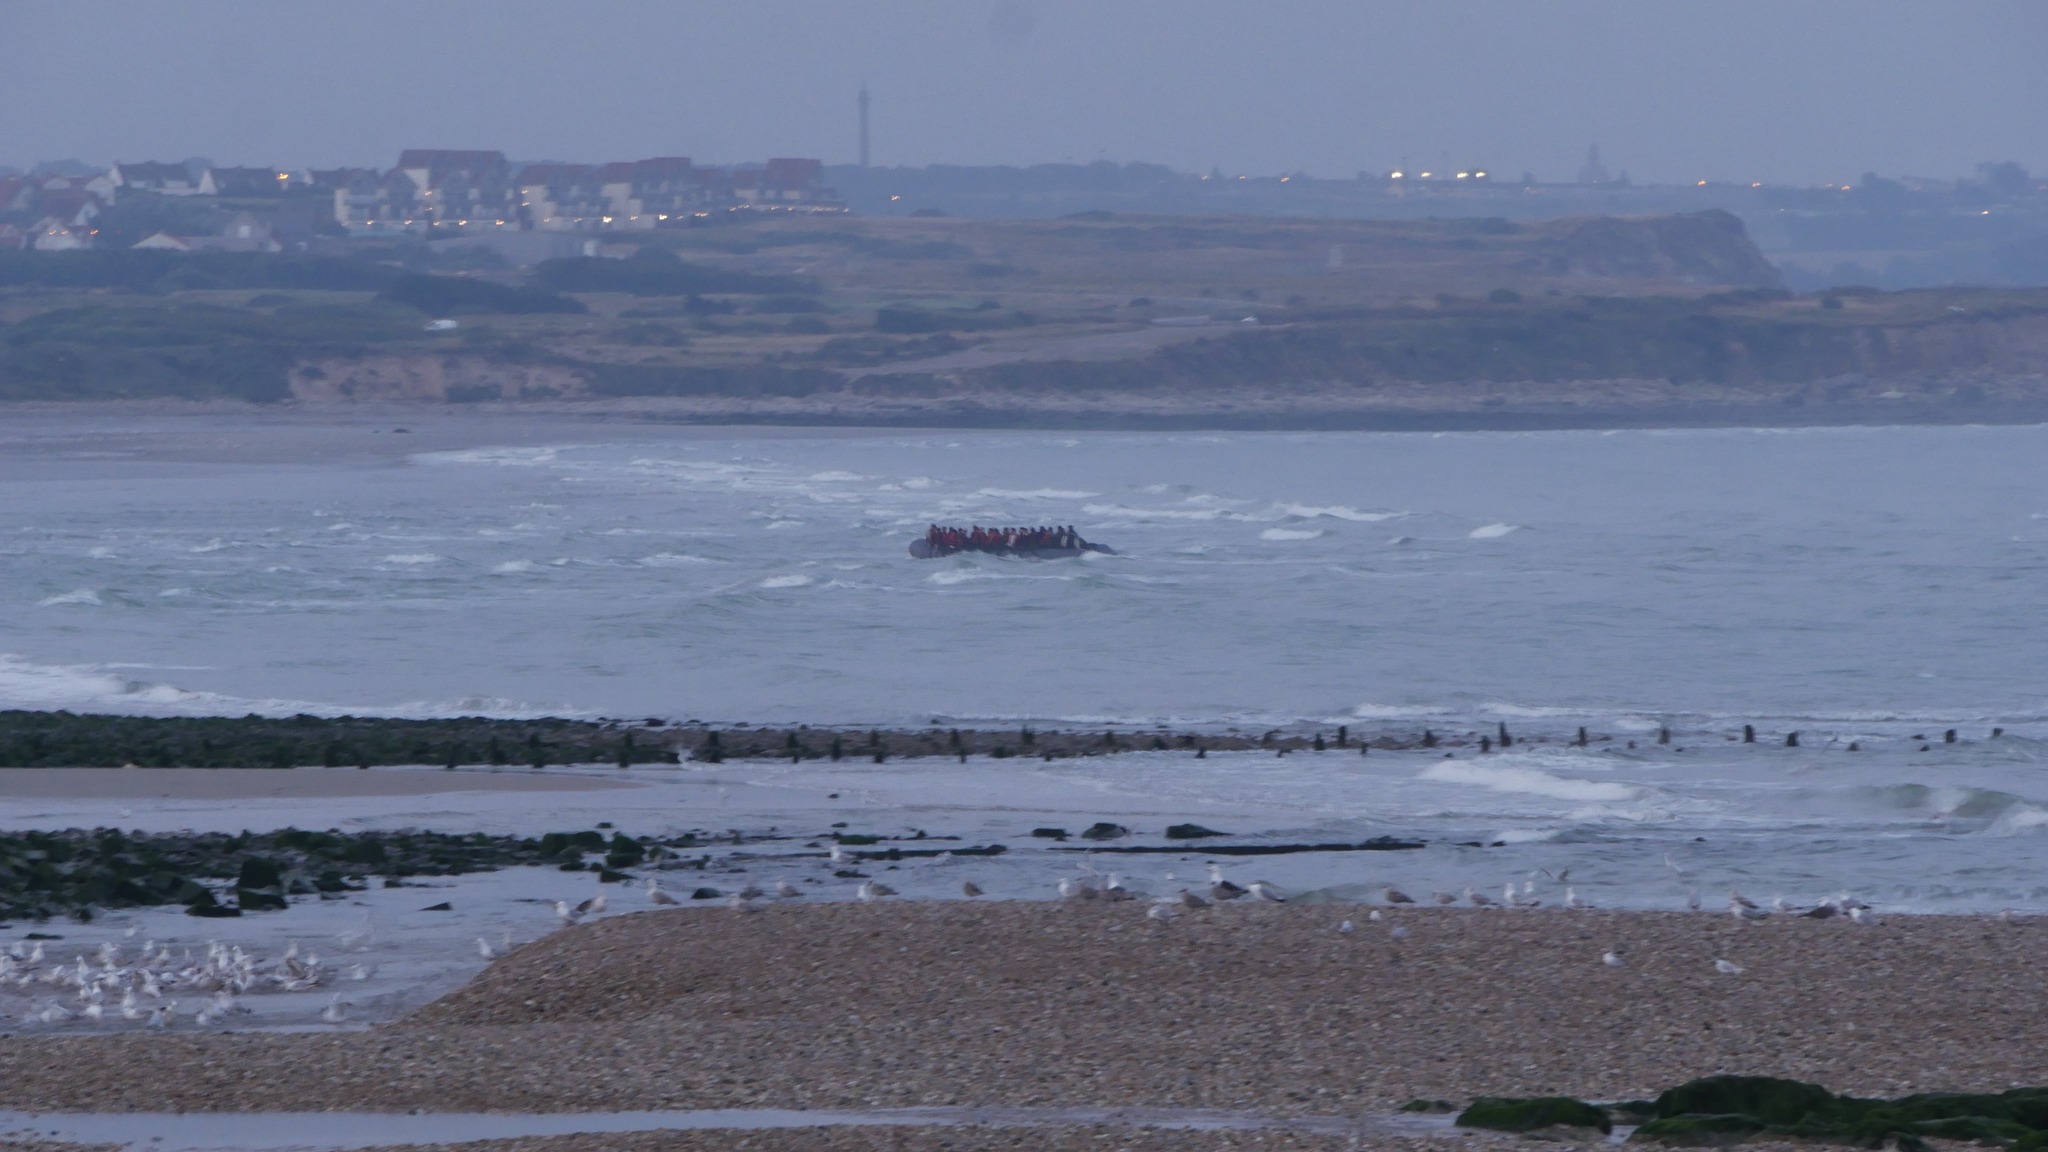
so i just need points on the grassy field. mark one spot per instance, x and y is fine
(804, 315)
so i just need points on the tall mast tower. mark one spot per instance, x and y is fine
(863, 124)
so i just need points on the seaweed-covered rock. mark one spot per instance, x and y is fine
(206, 906)
(1729, 1109)
(1699, 1131)
(1190, 832)
(1767, 1098)
(1508, 1114)
(1421, 1105)
(260, 887)
(1104, 830)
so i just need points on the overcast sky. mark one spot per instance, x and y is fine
(1797, 91)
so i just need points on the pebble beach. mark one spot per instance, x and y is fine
(1260, 1008)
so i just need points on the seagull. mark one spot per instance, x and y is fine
(1160, 911)
(354, 940)
(1561, 877)
(1347, 926)
(1444, 898)
(1727, 967)
(655, 894)
(970, 889)
(336, 1010)
(1785, 906)
(1266, 892)
(592, 906)
(1221, 889)
(160, 1018)
(1396, 896)
(1477, 900)
(1191, 901)
(568, 915)
(1374, 916)
(1114, 888)
(741, 902)
(484, 949)
(751, 892)
(838, 854)
(1739, 899)
(1571, 899)
(1820, 911)
(1862, 914)
(1400, 932)
(1692, 900)
(1071, 889)
(873, 890)
(786, 890)
(1752, 912)
(1613, 960)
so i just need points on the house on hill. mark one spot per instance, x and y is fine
(370, 203)
(786, 183)
(163, 242)
(246, 233)
(53, 235)
(72, 207)
(149, 176)
(647, 193)
(560, 197)
(244, 182)
(462, 189)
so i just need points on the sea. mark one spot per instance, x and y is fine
(1877, 591)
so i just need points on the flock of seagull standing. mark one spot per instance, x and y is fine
(106, 986)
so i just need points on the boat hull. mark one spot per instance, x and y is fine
(923, 550)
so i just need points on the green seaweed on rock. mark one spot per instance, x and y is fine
(1506, 1114)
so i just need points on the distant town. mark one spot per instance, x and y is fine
(1891, 232)
(429, 191)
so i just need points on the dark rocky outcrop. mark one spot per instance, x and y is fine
(1730, 1109)
(1505, 1114)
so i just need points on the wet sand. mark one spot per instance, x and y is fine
(281, 783)
(1089, 1004)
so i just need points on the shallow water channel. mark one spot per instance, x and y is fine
(323, 1131)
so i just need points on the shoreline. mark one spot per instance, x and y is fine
(1089, 1004)
(513, 421)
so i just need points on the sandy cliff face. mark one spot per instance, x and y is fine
(1699, 248)
(430, 378)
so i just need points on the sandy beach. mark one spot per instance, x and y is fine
(278, 783)
(1266, 1008)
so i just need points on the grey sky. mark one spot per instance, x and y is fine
(1779, 90)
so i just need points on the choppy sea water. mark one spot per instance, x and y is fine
(1877, 585)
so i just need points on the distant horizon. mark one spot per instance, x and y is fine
(1737, 92)
(1494, 177)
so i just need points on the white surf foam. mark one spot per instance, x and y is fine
(1290, 533)
(75, 596)
(1527, 781)
(785, 581)
(1338, 512)
(1492, 531)
(412, 558)
(1036, 494)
